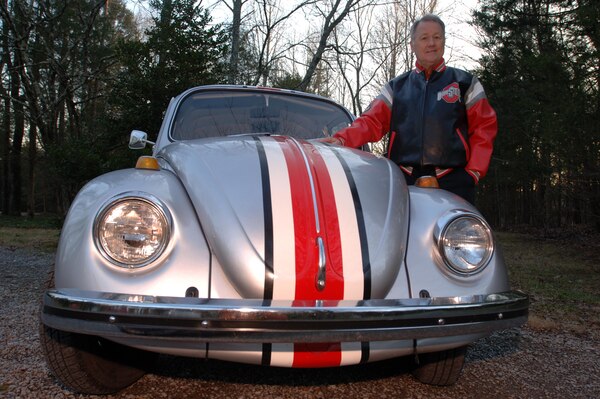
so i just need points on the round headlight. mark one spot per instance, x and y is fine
(132, 231)
(466, 244)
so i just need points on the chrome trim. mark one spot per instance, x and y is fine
(152, 201)
(311, 180)
(322, 273)
(439, 232)
(176, 319)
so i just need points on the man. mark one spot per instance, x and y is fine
(439, 118)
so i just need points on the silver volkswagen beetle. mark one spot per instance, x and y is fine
(243, 238)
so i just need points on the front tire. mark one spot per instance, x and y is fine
(440, 368)
(89, 364)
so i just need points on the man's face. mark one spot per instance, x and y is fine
(428, 43)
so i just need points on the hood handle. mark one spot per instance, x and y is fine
(321, 274)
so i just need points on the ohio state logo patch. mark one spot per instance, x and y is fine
(450, 94)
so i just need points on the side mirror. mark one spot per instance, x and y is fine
(138, 140)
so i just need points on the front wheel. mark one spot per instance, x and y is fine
(440, 368)
(89, 364)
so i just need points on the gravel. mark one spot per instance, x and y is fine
(516, 363)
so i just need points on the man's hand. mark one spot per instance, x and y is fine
(331, 140)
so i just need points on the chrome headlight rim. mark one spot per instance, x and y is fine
(441, 229)
(149, 200)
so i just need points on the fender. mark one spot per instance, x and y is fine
(184, 264)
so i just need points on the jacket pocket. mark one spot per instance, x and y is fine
(390, 144)
(465, 144)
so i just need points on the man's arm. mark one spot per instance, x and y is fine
(372, 125)
(483, 127)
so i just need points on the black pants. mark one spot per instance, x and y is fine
(458, 181)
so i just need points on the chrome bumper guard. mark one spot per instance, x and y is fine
(233, 320)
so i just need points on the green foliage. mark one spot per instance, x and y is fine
(542, 77)
(91, 78)
(60, 57)
(287, 81)
(560, 275)
(79, 159)
(41, 239)
(40, 232)
(248, 60)
(44, 221)
(182, 50)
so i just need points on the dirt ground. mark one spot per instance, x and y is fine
(517, 363)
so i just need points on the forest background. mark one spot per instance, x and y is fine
(79, 75)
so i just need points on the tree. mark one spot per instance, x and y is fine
(76, 75)
(352, 54)
(260, 39)
(182, 50)
(541, 72)
(55, 57)
(391, 39)
(235, 40)
(235, 33)
(11, 145)
(372, 46)
(332, 13)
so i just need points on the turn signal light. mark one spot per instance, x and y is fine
(427, 182)
(147, 162)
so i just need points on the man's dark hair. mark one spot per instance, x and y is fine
(425, 18)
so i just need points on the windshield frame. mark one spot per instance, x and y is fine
(289, 97)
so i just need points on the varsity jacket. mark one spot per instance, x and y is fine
(442, 120)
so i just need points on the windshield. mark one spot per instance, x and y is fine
(226, 112)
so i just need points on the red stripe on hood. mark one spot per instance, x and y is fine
(330, 226)
(307, 251)
(305, 224)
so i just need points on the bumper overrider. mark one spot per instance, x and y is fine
(238, 320)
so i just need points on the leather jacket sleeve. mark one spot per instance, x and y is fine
(483, 127)
(371, 126)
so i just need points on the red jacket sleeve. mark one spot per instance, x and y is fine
(371, 126)
(483, 127)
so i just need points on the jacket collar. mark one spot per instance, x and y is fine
(440, 67)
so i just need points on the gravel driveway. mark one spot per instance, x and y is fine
(518, 363)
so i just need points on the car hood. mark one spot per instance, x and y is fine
(291, 219)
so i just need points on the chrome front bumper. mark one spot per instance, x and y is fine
(231, 320)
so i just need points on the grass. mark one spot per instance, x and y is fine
(562, 276)
(40, 233)
(52, 222)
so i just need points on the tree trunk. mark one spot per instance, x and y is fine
(331, 21)
(14, 207)
(4, 155)
(32, 160)
(235, 41)
(6, 123)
